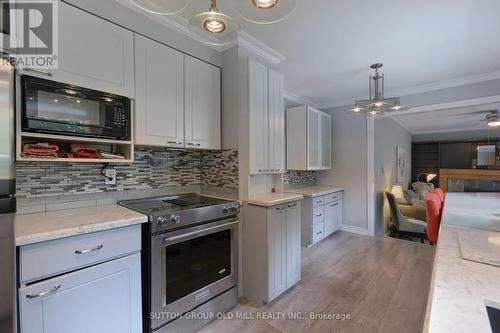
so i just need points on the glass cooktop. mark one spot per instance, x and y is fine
(165, 205)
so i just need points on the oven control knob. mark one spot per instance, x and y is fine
(235, 208)
(162, 221)
(176, 219)
(225, 210)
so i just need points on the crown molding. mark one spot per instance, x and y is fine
(181, 25)
(259, 48)
(299, 100)
(453, 130)
(457, 82)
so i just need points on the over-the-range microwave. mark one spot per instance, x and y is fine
(57, 108)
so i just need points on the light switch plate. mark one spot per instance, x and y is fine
(112, 174)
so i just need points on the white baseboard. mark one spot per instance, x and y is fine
(354, 229)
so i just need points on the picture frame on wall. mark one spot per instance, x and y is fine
(401, 165)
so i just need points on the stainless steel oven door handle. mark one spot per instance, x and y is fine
(193, 234)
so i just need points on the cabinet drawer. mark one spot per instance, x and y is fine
(319, 201)
(99, 299)
(318, 215)
(318, 232)
(49, 258)
(333, 197)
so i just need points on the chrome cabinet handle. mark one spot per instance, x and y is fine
(44, 293)
(318, 233)
(280, 208)
(319, 215)
(319, 201)
(92, 249)
(333, 205)
(194, 144)
(174, 143)
(291, 206)
(28, 69)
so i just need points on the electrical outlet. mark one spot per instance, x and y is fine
(111, 173)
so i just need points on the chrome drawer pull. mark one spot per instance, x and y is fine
(44, 293)
(319, 215)
(280, 208)
(28, 69)
(335, 204)
(92, 249)
(173, 142)
(291, 206)
(318, 233)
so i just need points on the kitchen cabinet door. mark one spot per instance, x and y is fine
(276, 123)
(277, 252)
(293, 244)
(159, 105)
(202, 104)
(258, 100)
(326, 141)
(99, 299)
(93, 53)
(313, 139)
(333, 217)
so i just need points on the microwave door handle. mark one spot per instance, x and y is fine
(194, 234)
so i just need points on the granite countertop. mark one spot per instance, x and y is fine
(460, 288)
(314, 191)
(273, 199)
(39, 227)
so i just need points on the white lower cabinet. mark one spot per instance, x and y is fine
(271, 255)
(321, 217)
(102, 298)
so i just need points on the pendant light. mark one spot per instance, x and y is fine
(377, 102)
(161, 7)
(264, 11)
(214, 27)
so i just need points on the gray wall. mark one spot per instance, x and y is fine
(348, 164)
(388, 135)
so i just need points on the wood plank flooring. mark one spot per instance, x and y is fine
(381, 282)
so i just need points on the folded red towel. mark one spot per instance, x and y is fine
(40, 150)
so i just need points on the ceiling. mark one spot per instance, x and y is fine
(450, 120)
(329, 44)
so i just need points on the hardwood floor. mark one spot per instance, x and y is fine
(381, 283)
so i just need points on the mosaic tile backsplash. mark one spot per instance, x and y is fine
(154, 168)
(299, 177)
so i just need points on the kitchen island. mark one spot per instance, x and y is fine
(460, 289)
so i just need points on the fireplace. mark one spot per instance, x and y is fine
(469, 180)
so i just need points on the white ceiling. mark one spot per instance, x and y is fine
(450, 120)
(329, 44)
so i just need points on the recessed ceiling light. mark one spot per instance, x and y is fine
(264, 4)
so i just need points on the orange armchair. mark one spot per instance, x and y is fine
(433, 206)
(440, 193)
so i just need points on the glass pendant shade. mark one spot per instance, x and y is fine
(264, 11)
(161, 7)
(213, 27)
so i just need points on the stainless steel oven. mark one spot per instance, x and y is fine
(191, 266)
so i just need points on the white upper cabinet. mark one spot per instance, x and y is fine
(159, 105)
(93, 53)
(326, 140)
(177, 98)
(276, 122)
(202, 104)
(266, 119)
(308, 139)
(258, 100)
(313, 151)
